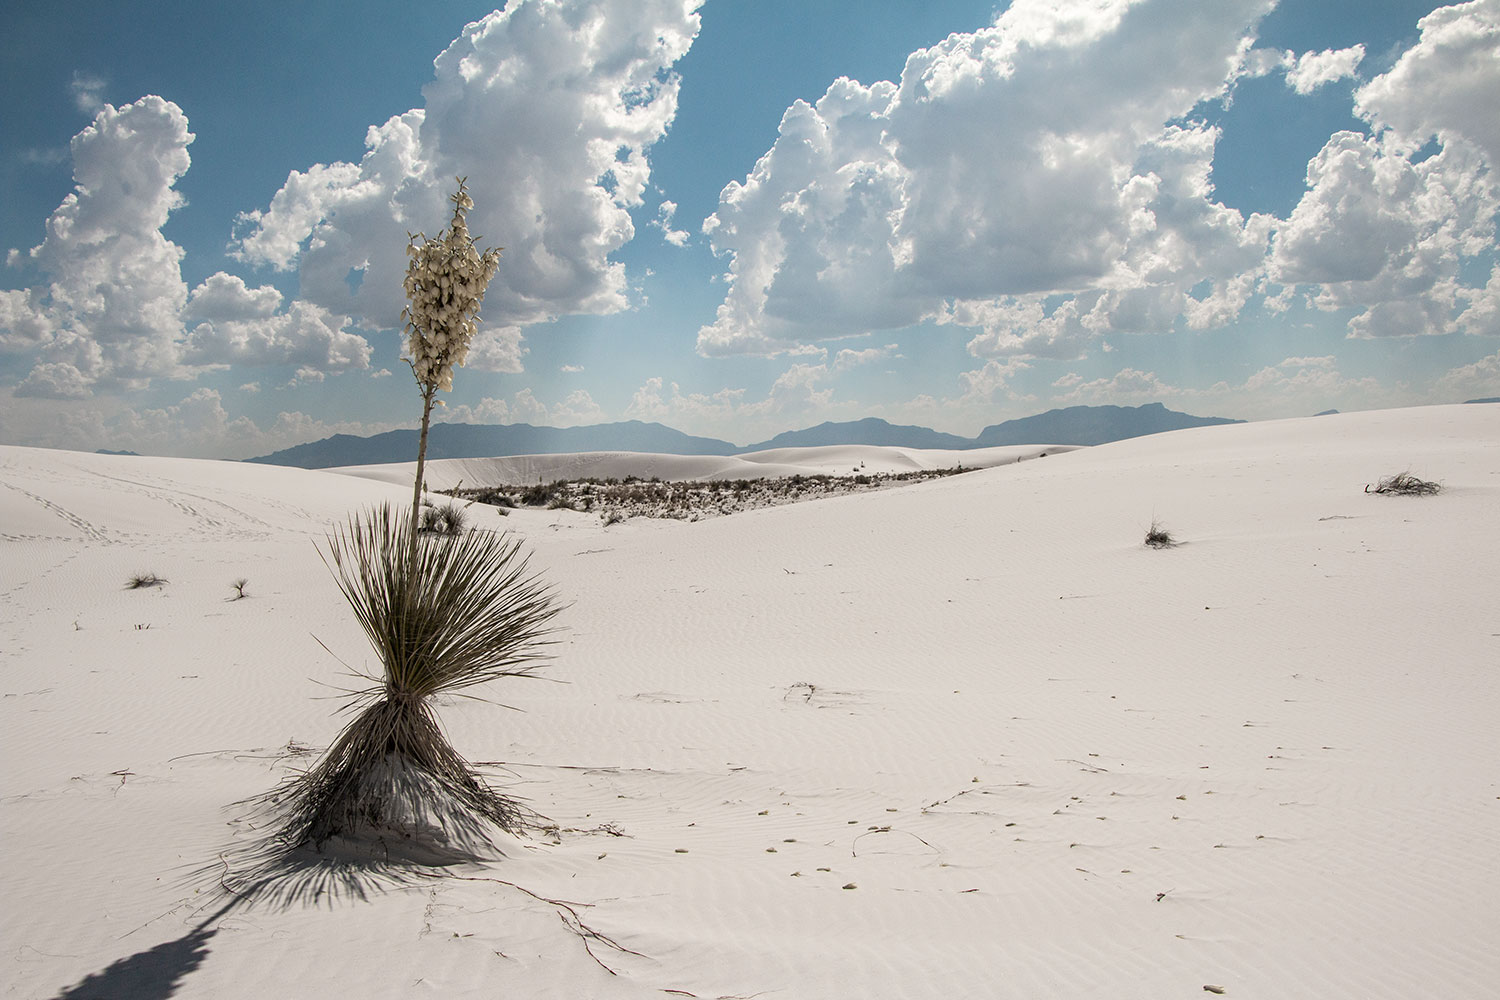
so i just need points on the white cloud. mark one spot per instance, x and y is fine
(1303, 385)
(1029, 159)
(571, 369)
(848, 358)
(578, 408)
(663, 221)
(109, 313)
(1482, 315)
(1387, 234)
(1312, 70)
(198, 425)
(727, 414)
(497, 349)
(236, 325)
(1021, 326)
(86, 89)
(1445, 85)
(1480, 380)
(1129, 386)
(524, 407)
(550, 110)
(981, 384)
(1381, 234)
(305, 376)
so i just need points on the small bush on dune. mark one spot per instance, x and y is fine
(466, 613)
(1158, 537)
(449, 519)
(142, 580)
(1405, 484)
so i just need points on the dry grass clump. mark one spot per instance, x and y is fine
(448, 519)
(142, 580)
(1158, 537)
(465, 613)
(1405, 484)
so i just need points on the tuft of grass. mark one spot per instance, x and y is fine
(467, 612)
(239, 589)
(1405, 484)
(449, 519)
(1158, 537)
(143, 580)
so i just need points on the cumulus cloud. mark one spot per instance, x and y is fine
(497, 349)
(1386, 233)
(663, 221)
(114, 309)
(524, 407)
(794, 398)
(1312, 70)
(1444, 87)
(981, 384)
(1026, 160)
(235, 324)
(1129, 386)
(849, 358)
(1480, 380)
(109, 312)
(550, 110)
(1047, 183)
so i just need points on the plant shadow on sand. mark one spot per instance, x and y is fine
(343, 871)
(154, 974)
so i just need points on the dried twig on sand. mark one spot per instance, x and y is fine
(1405, 484)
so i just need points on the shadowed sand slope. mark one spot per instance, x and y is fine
(965, 738)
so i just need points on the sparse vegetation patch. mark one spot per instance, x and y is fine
(1158, 537)
(1404, 484)
(616, 500)
(143, 580)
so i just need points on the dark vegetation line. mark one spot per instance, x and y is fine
(689, 500)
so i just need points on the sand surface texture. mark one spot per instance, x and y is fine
(968, 738)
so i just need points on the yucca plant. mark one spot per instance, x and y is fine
(468, 611)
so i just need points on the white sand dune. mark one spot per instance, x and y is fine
(832, 460)
(969, 738)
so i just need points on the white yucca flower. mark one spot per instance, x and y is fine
(446, 278)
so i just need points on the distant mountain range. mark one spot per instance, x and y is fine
(1077, 425)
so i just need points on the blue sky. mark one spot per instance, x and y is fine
(738, 218)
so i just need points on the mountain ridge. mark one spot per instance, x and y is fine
(1074, 425)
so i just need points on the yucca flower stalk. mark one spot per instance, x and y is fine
(465, 613)
(444, 612)
(446, 278)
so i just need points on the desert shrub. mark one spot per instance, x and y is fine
(492, 495)
(1405, 484)
(1158, 537)
(143, 580)
(239, 589)
(465, 613)
(542, 494)
(612, 517)
(449, 519)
